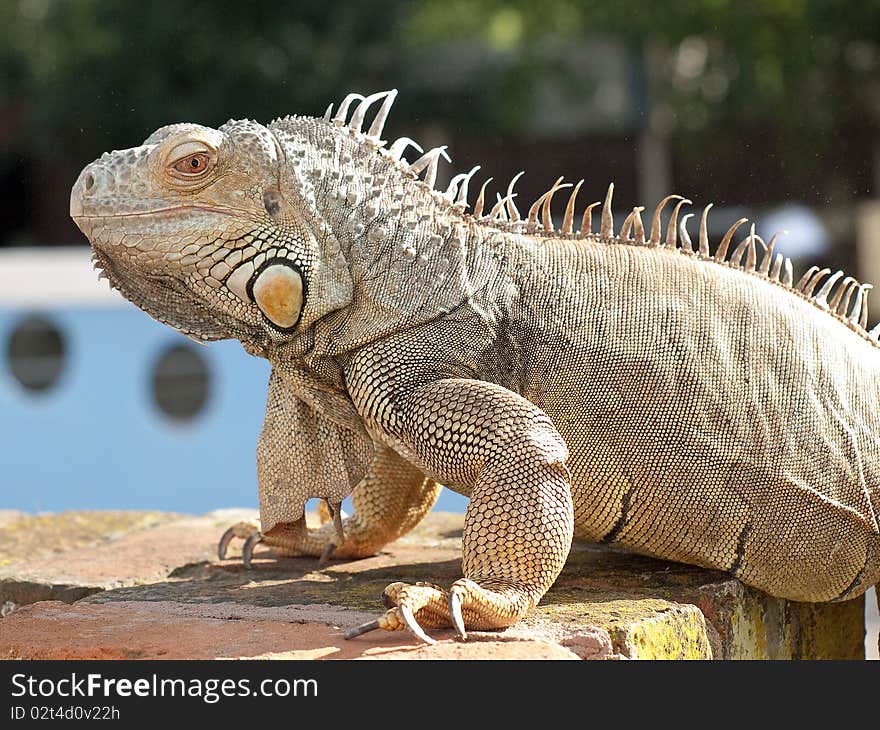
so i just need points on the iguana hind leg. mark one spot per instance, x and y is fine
(391, 499)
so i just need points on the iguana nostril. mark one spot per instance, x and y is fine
(88, 182)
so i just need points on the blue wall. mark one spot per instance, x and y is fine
(96, 440)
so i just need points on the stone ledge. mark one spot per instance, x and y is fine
(147, 585)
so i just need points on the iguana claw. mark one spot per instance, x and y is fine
(247, 550)
(290, 539)
(455, 614)
(413, 625)
(336, 516)
(223, 545)
(405, 601)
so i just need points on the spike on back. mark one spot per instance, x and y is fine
(568, 218)
(633, 222)
(398, 147)
(751, 254)
(822, 294)
(429, 162)
(672, 228)
(626, 227)
(838, 295)
(547, 218)
(607, 226)
(814, 281)
(498, 212)
(512, 211)
(721, 252)
(357, 119)
(788, 275)
(808, 274)
(704, 232)
(463, 190)
(638, 226)
(339, 119)
(847, 295)
(535, 209)
(846, 298)
(375, 131)
(587, 220)
(452, 188)
(768, 255)
(686, 243)
(654, 239)
(863, 312)
(478, 206)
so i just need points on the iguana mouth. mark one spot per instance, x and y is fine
(157, 211)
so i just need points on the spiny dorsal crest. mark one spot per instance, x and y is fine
(842, 296)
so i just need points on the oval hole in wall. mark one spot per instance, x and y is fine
(181, 382)
(35, 351)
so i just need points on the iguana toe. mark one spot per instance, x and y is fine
(241, 530)
(296, 540)
(490, 604)
(409, 606)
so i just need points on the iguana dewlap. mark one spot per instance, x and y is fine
(626, 388)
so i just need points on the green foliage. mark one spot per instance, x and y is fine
(803, 70)
(121, 69)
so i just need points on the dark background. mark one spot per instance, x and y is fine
(743, 104)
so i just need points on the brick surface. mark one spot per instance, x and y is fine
(167, 630)
(70, 555)
(124, 585)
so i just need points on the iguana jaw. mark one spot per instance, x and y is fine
(154, 295)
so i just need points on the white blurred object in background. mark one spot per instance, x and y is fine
(807, 236)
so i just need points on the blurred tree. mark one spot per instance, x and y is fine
(804, 70)
(86, 65)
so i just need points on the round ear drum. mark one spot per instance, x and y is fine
(278, 290)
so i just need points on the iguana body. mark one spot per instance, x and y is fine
(615, 388)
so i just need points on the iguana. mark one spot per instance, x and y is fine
(624, 387)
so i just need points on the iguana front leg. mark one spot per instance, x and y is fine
(518, 526)
(391, 499)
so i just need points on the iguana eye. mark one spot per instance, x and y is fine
(194, 164)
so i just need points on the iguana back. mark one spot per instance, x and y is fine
(712, 414)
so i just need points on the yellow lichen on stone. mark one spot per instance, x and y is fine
(679, 632)
(753, 625)
(647, 628)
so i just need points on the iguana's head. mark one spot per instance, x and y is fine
(202, 229)
(307, 235)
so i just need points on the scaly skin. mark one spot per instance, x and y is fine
(613, 388)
